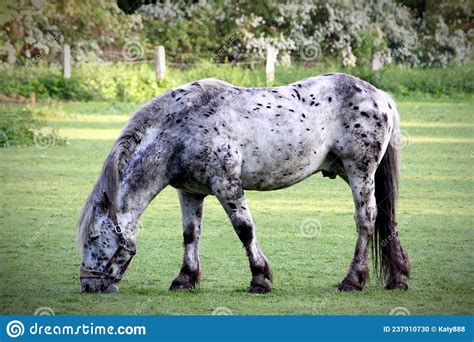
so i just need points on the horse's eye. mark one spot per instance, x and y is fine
(95, 237)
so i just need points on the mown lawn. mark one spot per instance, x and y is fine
(42, 191)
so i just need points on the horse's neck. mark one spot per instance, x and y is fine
(144, 178)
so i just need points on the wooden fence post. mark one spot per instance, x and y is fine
(67, 61)
(270, 67)
(160, 62)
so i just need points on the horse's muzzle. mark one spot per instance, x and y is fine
(94, 281)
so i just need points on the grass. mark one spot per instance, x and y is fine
(42, 191)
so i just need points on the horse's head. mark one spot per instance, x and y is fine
(106, 252)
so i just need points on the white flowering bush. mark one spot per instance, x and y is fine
(33, 31)
(352, 33)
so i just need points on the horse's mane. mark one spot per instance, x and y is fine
(118, 158)
(128, 140)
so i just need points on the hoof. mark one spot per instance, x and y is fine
(98, 285)
(186, 286)
(184, 282)
(400, 285)
(346, 287)
(354, 281)
(112, 288)
(259, 286)
(259, 289)
(350, 284)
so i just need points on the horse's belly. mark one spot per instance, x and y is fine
(276, 171)
(263, 182)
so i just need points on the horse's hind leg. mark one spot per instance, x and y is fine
(363, 192)
(191, 208)
(231, 196)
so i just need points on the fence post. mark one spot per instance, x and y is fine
(160, 62)
(67, 61)
(270, 67)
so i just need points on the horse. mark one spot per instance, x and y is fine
(210, 137)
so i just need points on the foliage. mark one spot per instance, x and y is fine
(26, 127)
(351, 32)
(33, 31)
(137, 82)
(437, 82)
(45, 83)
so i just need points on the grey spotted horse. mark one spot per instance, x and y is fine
(212, 138)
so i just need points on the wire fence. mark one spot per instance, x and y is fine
(136, 55)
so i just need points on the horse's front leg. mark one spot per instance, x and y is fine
(190, 274)
(363, 191)
(231, 196)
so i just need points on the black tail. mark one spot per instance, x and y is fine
(389, 256)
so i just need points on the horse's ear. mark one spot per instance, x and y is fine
(105, 203)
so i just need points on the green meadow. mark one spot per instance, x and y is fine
(307, 231)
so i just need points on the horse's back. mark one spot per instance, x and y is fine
(273, 137)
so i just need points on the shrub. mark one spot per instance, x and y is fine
(137, 82)
(406, 32)
(24, 127)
